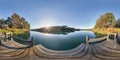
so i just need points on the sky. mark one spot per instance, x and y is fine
(74, 13)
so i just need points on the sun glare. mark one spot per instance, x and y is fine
(48, 20)
(48, 23)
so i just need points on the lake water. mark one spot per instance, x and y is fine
(64, 41)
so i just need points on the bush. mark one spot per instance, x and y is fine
(112, 30)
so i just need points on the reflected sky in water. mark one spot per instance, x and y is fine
(61, 41)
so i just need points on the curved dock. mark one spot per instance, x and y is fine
(108, 50)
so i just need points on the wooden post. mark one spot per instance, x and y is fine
(108, 36)
(115, 37)
(0, 41)
(32, 42)
(87, 39)
(11, 37)
(5, 36)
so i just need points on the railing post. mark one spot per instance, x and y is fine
(5, 36)
(115, 37)
(11, 36)
(0, 41)
(108, 36)
(87, 39)
(32, 42)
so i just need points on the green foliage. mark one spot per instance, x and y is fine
(1, 21)
(16, 22)
(23, 35)
(99, 34)
(16, 18)
(9, 22)
(25, 24)
(105, 21)
(118, 23)
(100, 31)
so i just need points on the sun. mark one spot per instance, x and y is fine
(48, 21)
(47, 25)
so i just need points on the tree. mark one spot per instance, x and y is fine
(20, 22)
(17, 20)
(9, 22)
(118, 23)
(1, 22)
(25, 24)
(105, 21)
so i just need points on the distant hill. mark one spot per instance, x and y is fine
(52, 29)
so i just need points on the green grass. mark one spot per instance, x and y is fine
(99, 35)
(22, 33)
(100, 31)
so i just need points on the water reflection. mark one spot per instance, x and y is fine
(61, 40)
(60, 32)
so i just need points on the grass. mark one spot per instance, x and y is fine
(22, 33)
(99, 35)
(103, 32)
(118, 30)
(100, 31)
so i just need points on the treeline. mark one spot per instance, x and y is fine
(107, 20)
(15, 21)
(56, 29)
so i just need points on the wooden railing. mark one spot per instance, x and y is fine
(97, 39)
(30, 42)
(101, 38)
(114, 34)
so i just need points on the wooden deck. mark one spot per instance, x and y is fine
(106, 50)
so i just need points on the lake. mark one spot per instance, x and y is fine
(64, 41)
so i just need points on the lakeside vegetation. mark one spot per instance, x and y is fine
(107, 23)
(22, 33)
(15, 24)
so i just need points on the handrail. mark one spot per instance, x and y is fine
(21, 39)
(31, 42)
(97, 39)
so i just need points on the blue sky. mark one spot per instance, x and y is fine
(74, 13)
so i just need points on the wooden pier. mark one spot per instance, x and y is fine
(106, 50)
(101, 38)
